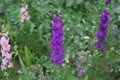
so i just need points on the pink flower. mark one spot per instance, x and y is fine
(24, 13)
(3, 53)
(28, 18)
(23, 18)
(6, 48)
(23, 9)
(10, 65)
(3, 67)
(4, 41)
(4, 61)
(8, 56)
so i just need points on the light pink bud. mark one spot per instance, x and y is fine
(3, 53)
(28, 18)
(4, 41)
(24, 9)
(8, 56)
(6, 48)
(10, 65)
(4, 61)
(3, 67)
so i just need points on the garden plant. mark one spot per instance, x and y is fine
(59, 39)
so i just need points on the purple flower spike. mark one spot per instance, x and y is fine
(56, 43)
(80, 71)
(107, 2)
(101, 34)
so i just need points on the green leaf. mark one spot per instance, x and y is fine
(24, 69)
(27, 56)
(69, 3)
(87, 5)
(79, 1)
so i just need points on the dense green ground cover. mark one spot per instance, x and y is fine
(30, 41)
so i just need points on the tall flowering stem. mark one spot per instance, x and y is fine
(24, 13)
(103, 29)
(56, 43)
(5, 52)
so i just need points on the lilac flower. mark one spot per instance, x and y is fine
(107, 2)
(102, 33)
(24, 13)
(6, 56)
(80, 71)
(56, 43)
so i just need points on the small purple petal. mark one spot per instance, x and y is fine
(75, 64)
(107, 2)
(97, 45)
(80, 71)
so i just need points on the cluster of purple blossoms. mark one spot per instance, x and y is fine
(107, 2)
(56, 43)
(102, 33)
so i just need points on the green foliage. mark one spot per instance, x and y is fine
(28, 58)
(80, 23)
(24, 69)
